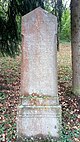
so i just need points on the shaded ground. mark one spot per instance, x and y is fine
(68, 101)
(10, 92)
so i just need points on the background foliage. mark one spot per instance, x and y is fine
(65, 33)
(10, 21)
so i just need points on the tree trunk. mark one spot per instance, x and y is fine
(75, 43)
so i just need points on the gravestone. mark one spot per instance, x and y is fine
(39, 114)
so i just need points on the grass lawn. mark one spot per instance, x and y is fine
(10, 93)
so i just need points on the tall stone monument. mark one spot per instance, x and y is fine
(40, 113)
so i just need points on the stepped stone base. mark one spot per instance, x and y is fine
(38, 122)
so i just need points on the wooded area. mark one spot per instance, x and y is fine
(68, 19)
(10, 15)
(10, 31)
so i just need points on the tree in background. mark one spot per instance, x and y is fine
(10, 20)
(65, 33)
(10, 23)
(75, 43)
(9, 34)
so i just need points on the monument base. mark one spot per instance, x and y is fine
(38, 139)
(38, 122)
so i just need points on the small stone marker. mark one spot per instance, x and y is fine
(40, 114)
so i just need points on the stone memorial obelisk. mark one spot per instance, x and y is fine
(40, 113)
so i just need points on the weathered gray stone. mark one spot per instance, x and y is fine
(39, 121)
(39, 63)
(40, 113)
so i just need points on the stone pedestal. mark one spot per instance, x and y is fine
(39, 114)
(39, 122)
